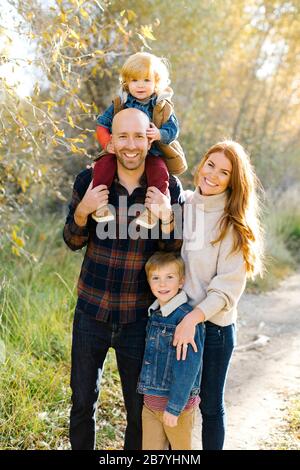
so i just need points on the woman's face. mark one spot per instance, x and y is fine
(214, 176)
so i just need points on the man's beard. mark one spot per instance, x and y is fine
(131, 165)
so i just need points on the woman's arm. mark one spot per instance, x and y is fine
(223, 293)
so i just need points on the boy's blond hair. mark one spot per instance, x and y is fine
(161, 258)
(144, 64)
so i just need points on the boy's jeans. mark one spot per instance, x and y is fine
(91, 341)
(218, 347)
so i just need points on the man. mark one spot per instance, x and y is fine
(113, 294)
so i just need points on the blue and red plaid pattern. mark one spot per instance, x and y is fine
(112, 285)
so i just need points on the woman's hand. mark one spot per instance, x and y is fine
(169, 419)
(158, 203)
(185, 333)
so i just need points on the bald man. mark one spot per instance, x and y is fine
(113, 293)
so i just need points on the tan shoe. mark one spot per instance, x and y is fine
(103, 214)
(146, 219)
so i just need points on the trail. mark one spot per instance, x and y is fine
(260, 379)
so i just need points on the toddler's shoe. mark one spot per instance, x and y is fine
(103, 214)
(146, 219)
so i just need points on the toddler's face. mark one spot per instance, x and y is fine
(142, 87)
(165, 282)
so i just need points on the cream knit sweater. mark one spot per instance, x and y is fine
(215, 278)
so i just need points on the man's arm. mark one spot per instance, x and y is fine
(85, 200)
(76, 233)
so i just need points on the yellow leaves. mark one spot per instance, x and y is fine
(42, 170)
(23, 183)
(147, 32)
(121, 28)
(50, 104)
(63, 18)
(84, 13)
(30, 15)
(95, 71)
(70, 120)
(17, 242)
(82, 106)
(75, 149)
(15, 251)
(73, 34)
(75, 140)
(59, 132)
(131, 15)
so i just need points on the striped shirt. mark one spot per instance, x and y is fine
(112, 285)
(156, 403)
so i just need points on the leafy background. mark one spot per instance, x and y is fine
(235, 73)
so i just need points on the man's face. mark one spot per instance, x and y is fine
(130, 141)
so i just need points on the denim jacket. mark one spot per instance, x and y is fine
(162, 374)
(169, 130)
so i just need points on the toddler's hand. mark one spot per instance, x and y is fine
(169, 419)
(153, 133)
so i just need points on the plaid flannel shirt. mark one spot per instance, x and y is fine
(112, 285)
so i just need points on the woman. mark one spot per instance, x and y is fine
(217, 262)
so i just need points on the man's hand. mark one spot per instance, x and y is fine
(169, 419)
(158, 203)
(93, 199)
(153, 133)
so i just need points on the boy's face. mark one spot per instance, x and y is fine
(142, 87)
(165, 282)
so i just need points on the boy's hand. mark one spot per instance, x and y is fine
(169, 419)
(153, 133)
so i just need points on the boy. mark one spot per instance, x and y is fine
(144, 80)
(170, 387)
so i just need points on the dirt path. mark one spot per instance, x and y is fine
(260, 379)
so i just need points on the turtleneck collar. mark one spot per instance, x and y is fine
(214, 203)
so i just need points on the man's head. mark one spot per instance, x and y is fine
(129, 138)
(165, 274)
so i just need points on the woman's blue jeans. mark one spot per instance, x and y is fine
(91, 341)
(218, 348)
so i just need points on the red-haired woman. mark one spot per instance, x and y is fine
(223, 250)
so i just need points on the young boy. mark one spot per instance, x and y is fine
(170, 386)
(144, 79)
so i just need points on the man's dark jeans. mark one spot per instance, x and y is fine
(218, 347)
(91, 341)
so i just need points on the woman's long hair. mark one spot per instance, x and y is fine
(242, 210)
